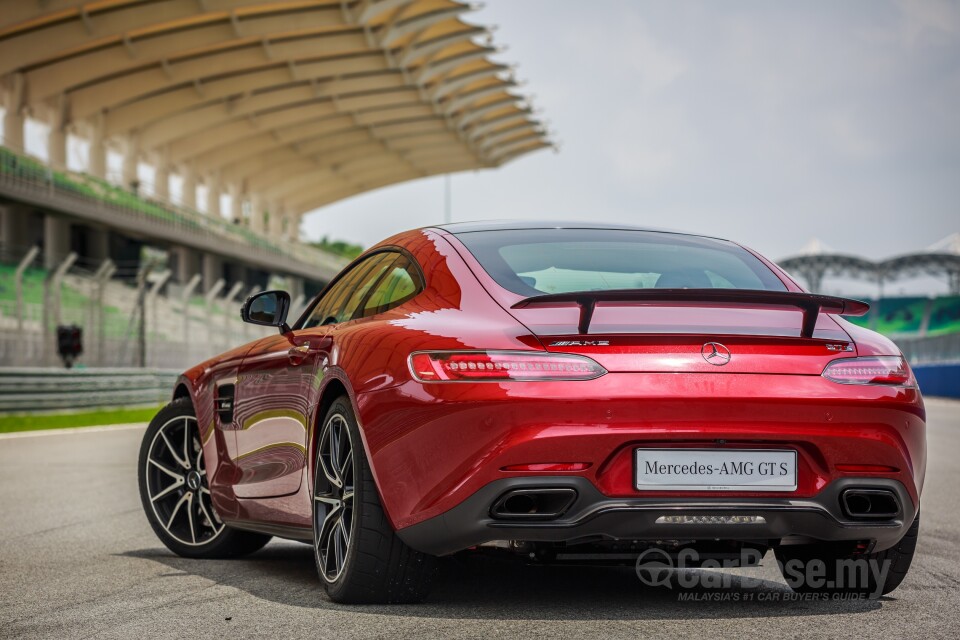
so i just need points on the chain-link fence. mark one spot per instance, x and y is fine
(129, 316)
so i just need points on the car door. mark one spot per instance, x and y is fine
(277, 386)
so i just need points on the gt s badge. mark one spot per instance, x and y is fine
(580, 343)
(839, 347)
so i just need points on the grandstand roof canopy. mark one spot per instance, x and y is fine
(300, 101)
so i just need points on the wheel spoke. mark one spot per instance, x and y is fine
(206, 513)
(347, 496)
(346, 467)
(169, 472)
(333, 515)
(327, 459)
(173, 486)
(334, 443)
(173, 452)
(186, 441)
(176, 510)
(193, 532)
(341, 545)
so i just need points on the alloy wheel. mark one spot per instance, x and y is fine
(176, 483)
(333, 497)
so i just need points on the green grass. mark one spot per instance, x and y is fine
(92, 418)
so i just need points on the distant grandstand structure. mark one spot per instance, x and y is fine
(259, 112)
(817, 261)
(926, 328)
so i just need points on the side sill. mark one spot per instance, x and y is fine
(290, 533)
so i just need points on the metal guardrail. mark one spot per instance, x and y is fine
(32, 389)
(930, 349)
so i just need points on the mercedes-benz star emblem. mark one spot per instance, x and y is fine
(715, 353)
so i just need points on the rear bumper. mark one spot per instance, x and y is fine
(593, 516)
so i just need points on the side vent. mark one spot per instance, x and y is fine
(224, 402)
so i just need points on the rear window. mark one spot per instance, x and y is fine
(537, 261)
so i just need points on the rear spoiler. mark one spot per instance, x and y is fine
(810, 304)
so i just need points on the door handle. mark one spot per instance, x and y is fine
(298, 352)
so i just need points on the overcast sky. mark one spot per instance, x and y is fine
(767, 123)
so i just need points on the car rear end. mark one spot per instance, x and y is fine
(682, 389)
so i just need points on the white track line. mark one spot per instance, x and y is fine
(71, 430)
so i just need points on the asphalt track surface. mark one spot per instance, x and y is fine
(78, 560)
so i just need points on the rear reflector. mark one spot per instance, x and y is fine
(495, 366)
(870, 370)
(866, 468)
(548, 466)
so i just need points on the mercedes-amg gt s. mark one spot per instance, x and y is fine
(560, 391)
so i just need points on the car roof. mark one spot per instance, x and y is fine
(517, 225)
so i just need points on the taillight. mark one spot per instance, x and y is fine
(495, 366)
(870, 370)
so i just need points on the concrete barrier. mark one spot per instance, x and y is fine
(39, 389)
(938, 379)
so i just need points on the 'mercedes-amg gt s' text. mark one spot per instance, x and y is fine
(553, 390)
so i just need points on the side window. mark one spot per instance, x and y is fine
(363, 286)
(401, 283)
(329, 310)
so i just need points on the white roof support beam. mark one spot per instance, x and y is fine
(478, 113)
(370, 9)
(405, 27)
(454, 84)
(417, 50)
(466, 99)
(492, 124)
(445, 65)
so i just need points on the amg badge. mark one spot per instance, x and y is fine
(580, 343)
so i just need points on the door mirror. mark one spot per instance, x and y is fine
(268, 308)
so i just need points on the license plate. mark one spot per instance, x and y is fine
(715, 470)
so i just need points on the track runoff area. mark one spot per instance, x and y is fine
(77, 557)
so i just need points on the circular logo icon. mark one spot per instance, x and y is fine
(653, 568)
(193, 481)
(715, 353)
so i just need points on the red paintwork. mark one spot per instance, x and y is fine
(433, 445)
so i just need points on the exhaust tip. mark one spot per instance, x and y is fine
(870, 504)
(533, 504)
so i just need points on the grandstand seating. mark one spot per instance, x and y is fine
(944, 316)
(900, 315)
(87, 186)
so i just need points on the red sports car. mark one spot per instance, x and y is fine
(561, 391)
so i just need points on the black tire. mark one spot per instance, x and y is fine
(179, 510)
(359, 557)
(892, 563)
